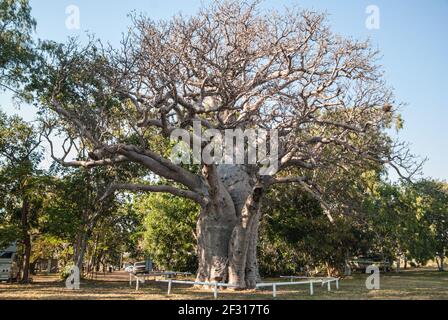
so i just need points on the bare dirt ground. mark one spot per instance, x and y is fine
(415, 284)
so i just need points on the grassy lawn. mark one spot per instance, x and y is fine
(421, 284)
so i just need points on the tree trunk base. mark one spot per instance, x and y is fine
(228, 231)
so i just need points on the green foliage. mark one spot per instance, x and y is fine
(9, 232)
(16, 26)
(408, 220)
(117, 233)
(24, 189)
(169, 237)
(431, 198)
(20, 179)
(297, 236)
(385, 213)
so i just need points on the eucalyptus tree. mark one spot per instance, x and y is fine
(235, 67)
(76, 212)
(23, 185)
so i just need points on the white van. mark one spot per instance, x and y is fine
(9, 270)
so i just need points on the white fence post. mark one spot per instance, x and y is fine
(274, 290)
(215, 290)
(169, 286)
(337, 284)
(311, 288)
(329, 285)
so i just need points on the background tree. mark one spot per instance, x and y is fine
(386, 214)
(229, 66)
(16, 54)
(432, 212)
(297, 238)
(23, 186)
(169, 231)
(115, 234)
(76, 211)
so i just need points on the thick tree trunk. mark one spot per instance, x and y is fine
(26, 242)
(252, 269)
(440, 263)
(79, 260)
(91, 264)
(83, 240)
(214, 230)
(244, 237)
(228, 230)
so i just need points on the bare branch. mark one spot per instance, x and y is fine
(153, 188)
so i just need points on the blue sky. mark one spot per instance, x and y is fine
(412, 39)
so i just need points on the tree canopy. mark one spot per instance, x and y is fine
(16, 55)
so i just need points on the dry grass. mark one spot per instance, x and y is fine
(421, 284)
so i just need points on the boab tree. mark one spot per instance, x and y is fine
(229, 66)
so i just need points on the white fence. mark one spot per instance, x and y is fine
(141, 278)
(308, 281)
(214, 285)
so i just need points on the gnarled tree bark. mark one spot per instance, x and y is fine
(228, 230)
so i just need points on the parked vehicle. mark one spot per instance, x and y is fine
(139, 267)
(129, 269)
(9, 270)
